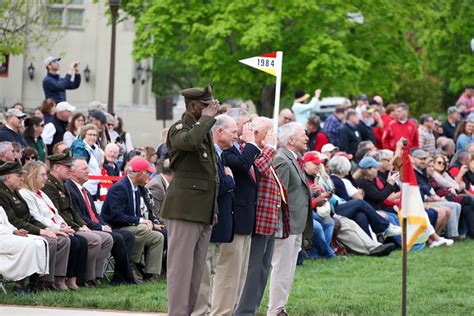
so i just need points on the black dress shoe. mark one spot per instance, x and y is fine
(32, 288)
(20, 290)
(383, 250)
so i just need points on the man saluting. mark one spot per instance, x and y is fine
(190, 205)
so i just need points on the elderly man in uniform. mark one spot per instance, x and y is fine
(99, 243)
(190, 205)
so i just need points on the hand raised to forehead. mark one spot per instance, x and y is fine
(270, 138)
(248, 134)
(211, 109)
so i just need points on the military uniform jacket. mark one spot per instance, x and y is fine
(57, 192)
(192, 195)
(18, 212)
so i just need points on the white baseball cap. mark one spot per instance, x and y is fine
(51, 59)
(65, 106)
(328, 148)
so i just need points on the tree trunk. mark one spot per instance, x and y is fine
(267, 101)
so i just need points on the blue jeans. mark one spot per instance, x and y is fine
(322, 236)
(363, 214)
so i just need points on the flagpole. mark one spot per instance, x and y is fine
(404, 266)
(276, 109)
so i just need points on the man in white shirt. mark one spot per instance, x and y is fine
(54, 131)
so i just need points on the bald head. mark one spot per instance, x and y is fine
(261, 127)
(286, 116)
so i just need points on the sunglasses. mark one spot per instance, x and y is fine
(441, 163)
(31, 158)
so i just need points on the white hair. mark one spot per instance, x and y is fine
(4, 147)
(111, 145)
(222, 121)
(287, 131)
(262, 123)
(235, 113)
(340, 166)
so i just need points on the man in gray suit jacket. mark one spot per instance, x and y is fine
(288, 163)
(158, 186)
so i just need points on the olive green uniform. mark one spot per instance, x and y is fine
(190, 204)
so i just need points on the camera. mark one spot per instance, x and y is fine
(405, 142)
(119, 140)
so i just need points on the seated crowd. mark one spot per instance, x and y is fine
(66, 224)
(78, 183)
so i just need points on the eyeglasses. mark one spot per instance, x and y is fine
(441, 163)
(90, 134)
(110, 124)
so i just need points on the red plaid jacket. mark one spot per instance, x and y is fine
(269, 199)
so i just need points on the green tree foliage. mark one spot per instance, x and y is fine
(22, 22)
(198, 41)
(446, 43)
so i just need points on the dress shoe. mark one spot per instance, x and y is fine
(19, 290)
(32, 288)
(382, 250)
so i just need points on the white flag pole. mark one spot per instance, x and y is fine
(276, 109)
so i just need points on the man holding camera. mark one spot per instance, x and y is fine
(55, 87)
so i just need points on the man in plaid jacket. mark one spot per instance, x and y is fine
(272, 218)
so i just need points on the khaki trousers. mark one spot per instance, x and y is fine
(203, 303)
(354, 237)
(152, 243)
(187, 249)
(58, 256)
(99, 245)
(231, 273)
(284, 259)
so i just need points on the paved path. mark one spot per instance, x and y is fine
(9, 310)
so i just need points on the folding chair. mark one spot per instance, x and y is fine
(2, 285)
(109, 268)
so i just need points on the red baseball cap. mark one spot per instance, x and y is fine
(139, 164)
(312, 156)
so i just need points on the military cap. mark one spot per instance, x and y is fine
(203, 95)
(63, 158)
(11, 167)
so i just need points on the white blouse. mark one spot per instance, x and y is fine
(42, 209)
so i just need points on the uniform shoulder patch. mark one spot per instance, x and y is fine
(179, 126)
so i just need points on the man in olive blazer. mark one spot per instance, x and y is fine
(190, 205)
(288, 164)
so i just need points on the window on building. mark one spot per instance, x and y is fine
(66, 13)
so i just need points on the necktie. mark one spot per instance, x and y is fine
(300, 163)
(89, 207)
(137, 204)
(252, 171)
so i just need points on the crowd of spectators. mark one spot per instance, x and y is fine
(76, 180)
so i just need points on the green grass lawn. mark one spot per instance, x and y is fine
(440, 282)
